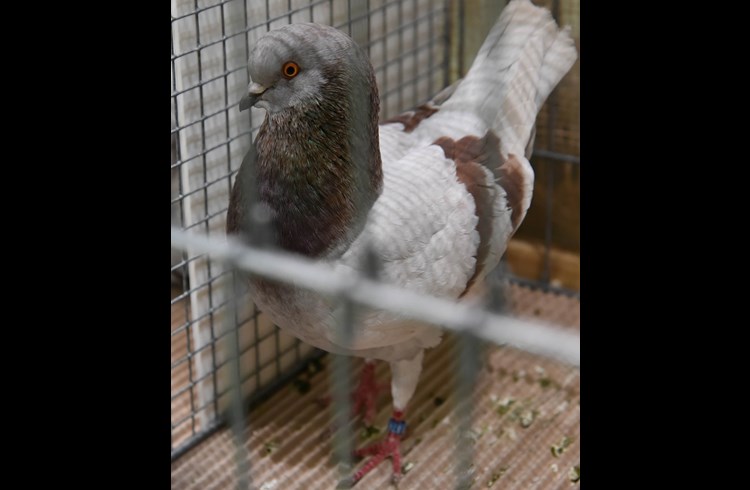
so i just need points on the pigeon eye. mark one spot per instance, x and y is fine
(290, 70)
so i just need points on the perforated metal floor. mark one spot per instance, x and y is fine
(525, 429)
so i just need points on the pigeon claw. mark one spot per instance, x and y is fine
(390, 446)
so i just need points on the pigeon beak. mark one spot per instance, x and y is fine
(254, 91)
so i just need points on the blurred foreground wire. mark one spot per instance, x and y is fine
(500, 329)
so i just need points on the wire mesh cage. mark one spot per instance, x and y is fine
(518, 414)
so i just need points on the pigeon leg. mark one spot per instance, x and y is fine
(405, 375)
(366, 393)
(363, 397)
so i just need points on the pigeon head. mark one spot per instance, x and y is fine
(316, 164)
(291, 65)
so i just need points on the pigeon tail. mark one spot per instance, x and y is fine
(523, 58)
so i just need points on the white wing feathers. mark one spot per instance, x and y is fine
(422, 226)
(456, 179)
(523, 58)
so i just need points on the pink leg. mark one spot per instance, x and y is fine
(366, 393)
(363, 398)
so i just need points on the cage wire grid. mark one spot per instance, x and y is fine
(414, 52)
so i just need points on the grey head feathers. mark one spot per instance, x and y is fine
(315, 49)
(316, 164)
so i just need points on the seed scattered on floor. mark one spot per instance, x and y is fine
(504, 406)
(559, 448)
(270, 447)
(269, 485)
(526, 418)
(368, 432)
(496, 476)
(512, 434)
(575, 473)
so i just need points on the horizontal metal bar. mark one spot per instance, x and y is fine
(185, 388)
(220, 394)
(204, 82)
(208, 150)
(538, 152)
(216, 367)
(246, 30)
(181, 360)
(207, 345)
(204, 315)
(200, 9)
(547, 288)
(210, 402)
(206, 218)
(412, 23)
(186, 294)
(294, 371)
(250, 402)
(500, 329)
(294, 11)
(180, 265)
(367, 14)
(205, 185)
(403, 85)
(256, 343)
(401, 56)
(291, 12)
(197, 438)
(226, 73)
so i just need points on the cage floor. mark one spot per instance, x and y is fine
(186, 396)
(525, 427)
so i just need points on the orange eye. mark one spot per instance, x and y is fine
(290, 70)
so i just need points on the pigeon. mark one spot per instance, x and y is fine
(432, 195)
